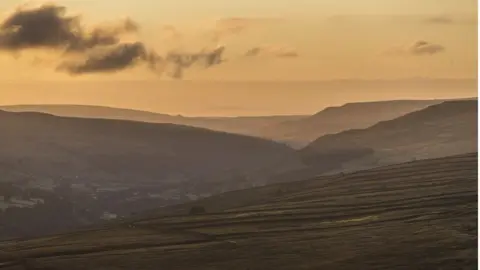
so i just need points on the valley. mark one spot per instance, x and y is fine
(363, 219)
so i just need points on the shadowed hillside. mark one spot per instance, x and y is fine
(345, 117)
(60, 173)
(99, 150)
(417, 215)
(297, 131)
(440, 130)
(241, 125)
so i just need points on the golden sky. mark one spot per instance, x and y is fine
(331, 39)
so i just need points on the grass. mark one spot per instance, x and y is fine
(420, 215)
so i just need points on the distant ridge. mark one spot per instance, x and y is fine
(332, 120)
(443, 129)
(296, 130)
(248, 125)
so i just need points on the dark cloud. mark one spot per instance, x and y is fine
(100, 49)
(46, 26)
(425, 48)
(182, 61)
(276, 51)
(124, 56)
(49, 27)
(120, 57)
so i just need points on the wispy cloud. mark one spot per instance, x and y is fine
(466, 20)
(271, 50)
(422, 47)
(418, 48)
(442, 19)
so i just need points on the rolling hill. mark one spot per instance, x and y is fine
(242, 125)
(332, 120)
(440, 130)
(99, 150)
(83, 169)
(416, 215)
(297, 131)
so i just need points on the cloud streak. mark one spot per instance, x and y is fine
(421, 47)
(182, 61)
(275, 51)
(451, 20)
(418, 48)
(439, 20)
(117, 58)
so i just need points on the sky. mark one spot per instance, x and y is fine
(302, 42)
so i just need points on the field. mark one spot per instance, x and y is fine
(417, 215)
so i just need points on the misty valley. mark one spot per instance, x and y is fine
(62, 173)
(239, 135)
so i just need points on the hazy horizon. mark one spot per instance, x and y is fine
(194, 98)
(223, 58)
(222, 134)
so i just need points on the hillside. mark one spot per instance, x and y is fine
(125, 151)
(241, 125)
(417, 215)
(332, 120)
(440, 130)
(92, 166)
(297, 131)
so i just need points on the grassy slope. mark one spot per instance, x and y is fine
(299, 130)
(240, 125)
(337, 119)
(418, 215)
(126, 151)
(444, 129)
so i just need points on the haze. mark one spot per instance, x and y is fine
(238, 134)
(301, 50)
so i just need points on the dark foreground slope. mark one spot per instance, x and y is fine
(418, 215)
(449, 128)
